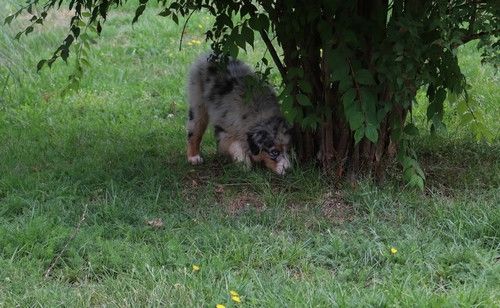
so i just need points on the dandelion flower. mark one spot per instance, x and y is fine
(196, 268)
(236, 298)
(394, 250)
(220, 306)
(233, 293)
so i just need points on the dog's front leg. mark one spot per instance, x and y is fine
(239, 154)
(234, 149)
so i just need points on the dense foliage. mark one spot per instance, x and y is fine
(351, 69)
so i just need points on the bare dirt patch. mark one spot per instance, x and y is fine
(336, 209)
(243, 202)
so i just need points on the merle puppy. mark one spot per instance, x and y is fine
(247, 121)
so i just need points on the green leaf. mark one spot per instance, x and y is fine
(303, 100)
(348, 98)
(29, 30)
(417, 181)
(166, 12)
(466, 118)
(254, 23)
(138, 12)
(85, 62)
(310, 121)
(369, 105)
(371, 133)
(355, 118)
(65, 53)
(345, 83)
(359, 134)
(224, 20)
(247, 9)
(9, 19)
(288, 109)
(40, 65)
(418, 169)
(264, 22)
(364, 77)
(80, 23)
(410, 129)
(305, 86)
(248, 35)
(462, 107)
(435, 108)
(238, 39)
(233, 50)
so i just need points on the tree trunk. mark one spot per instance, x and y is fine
(332, 143)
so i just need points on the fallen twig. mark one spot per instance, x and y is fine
(70, 239)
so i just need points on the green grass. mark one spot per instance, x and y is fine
(114, 151)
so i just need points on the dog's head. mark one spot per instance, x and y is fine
(269, 142)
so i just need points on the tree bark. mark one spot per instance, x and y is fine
(332, 144)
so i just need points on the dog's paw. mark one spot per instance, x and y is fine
(195, 160)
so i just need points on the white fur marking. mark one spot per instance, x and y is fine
(195, 160)
(282, 165)
(238, 154)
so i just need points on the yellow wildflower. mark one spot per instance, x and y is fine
(220, 306)
(394, 250)
(236, 298)
(233, 293)
(196, 268)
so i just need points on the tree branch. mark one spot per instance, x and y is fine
(184, 29)
(478, 35)
(68, 241)
(273, 53)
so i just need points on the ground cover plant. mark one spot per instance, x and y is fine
(99, 207)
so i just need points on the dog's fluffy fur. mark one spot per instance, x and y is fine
(247, 121)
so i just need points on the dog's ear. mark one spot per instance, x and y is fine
(256, 141)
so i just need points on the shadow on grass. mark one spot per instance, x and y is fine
(459, 165)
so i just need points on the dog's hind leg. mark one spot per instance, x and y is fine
(198, 115)
(196, 126)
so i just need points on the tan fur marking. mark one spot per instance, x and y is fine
(197, 127)
(264, 157)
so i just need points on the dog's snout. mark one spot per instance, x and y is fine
(282, 165)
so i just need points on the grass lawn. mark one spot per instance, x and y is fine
(99, 207)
